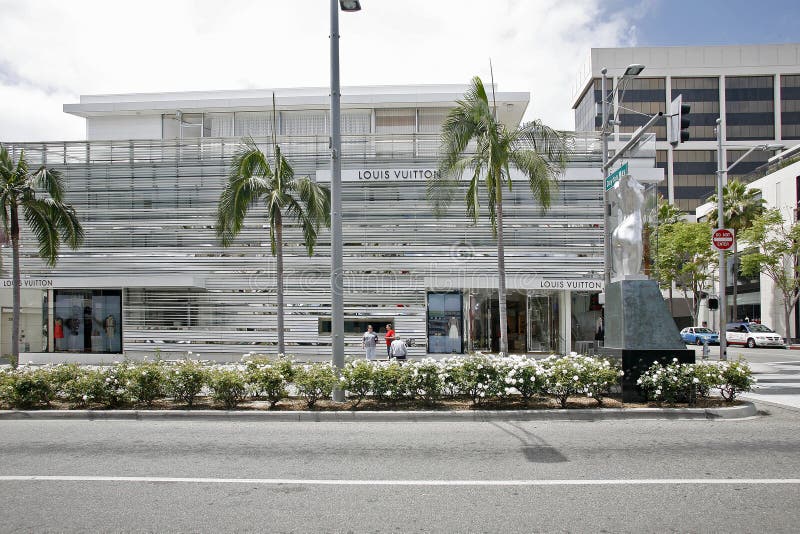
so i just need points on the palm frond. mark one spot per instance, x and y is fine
(39, 216)
(49, 180)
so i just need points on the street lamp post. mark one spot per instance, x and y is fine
(337, 276)
(722, 172)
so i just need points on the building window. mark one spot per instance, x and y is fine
(641, 99)
(88, 320)
(253, 124)
(749, 108)
(694, 174)
(356, 325)
(587, 118)
(445, 324)
(395, 121)
(304, 122)
(790, 106)
(702, 94)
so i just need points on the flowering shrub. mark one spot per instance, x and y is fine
(87, 387)
(477, 377)
(736, 378)
(424, 380)
(144, 381)
(526, 376)
(390, 381)
(266, 378)
(25, 388)
(708, 377)
(227, 386)
(315, 381)
(185, 380)
(675, 382)
(358, 377)
(566, 376)
(600, 377)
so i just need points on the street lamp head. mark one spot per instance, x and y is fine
(774, 147)
(350, 5)
(634, 69)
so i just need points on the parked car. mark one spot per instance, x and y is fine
(752, 335)
(697, 335)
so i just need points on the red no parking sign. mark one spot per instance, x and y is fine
(722, 238)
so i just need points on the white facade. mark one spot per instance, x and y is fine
(781, 190)
(147, 182)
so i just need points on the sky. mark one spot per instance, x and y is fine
(53, 51)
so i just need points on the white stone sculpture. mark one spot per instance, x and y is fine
(626, 240)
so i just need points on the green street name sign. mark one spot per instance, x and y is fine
(613, 178)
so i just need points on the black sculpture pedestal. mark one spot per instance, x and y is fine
(639, 330)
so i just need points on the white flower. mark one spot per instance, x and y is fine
(85, 397)
(575, 378)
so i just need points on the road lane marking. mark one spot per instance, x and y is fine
(332, 482)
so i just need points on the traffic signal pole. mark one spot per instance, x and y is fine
(723, 270)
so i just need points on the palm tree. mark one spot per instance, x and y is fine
(536, 150)
(39, 196)
(740, 207)
(252, 179)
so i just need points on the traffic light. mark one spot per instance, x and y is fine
(713, 303)
(678, 131)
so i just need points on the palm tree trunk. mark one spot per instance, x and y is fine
(735, 278)
(16, 285)
(501, 270)
(279, 276)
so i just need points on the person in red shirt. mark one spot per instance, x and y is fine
(389, 338)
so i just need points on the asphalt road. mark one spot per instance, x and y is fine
(556, 476)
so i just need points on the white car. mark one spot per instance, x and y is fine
(752, 335)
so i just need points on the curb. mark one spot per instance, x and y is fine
(746, 409)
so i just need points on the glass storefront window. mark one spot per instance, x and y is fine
(88, 321)
(445, 325)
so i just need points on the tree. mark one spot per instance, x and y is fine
(252, 179)
(537, 151)
(685, 257)
(740, 208)
(39, 196)
(776, 254)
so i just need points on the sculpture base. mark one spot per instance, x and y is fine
(639, 331)
(637, 361)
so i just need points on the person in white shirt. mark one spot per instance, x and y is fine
(368, 342)
(398, 349)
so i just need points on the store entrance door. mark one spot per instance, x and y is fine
(485, 322)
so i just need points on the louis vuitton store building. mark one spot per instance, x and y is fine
(151, 273)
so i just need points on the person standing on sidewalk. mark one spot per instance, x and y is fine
(368, 342)
(390, 335)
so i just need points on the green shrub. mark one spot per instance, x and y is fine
(26, 388)
(390, 382)
(61, 375)
(477, 377)
(145, 381)
(707, 376)
(314, 382)
(88, 386)
(671, 383)
(736, 378)
(358, 378)
(424, 380)
(525, 376)
(566, 376)
(227, 386)
(601, 376)
(265, 378)
(185, 380)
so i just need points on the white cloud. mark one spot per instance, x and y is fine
(53, 51)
